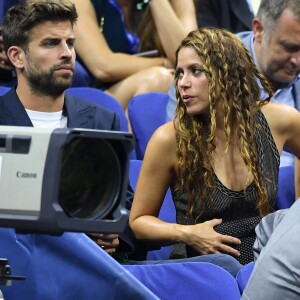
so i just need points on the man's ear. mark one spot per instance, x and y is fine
(258, 29)
(16, 56)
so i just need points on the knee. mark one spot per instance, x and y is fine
(157, 79)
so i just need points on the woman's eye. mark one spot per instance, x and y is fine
(179, 73)
(197, 71)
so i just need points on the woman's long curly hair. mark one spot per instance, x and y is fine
(232, 77)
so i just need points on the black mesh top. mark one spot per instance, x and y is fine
(236, 208)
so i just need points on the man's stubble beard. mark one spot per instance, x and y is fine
(45, 82)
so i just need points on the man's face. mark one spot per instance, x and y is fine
(278, 51)
(50, 58)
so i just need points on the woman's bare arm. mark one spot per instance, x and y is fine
(284, 122)
(156, 175)
(174, 19)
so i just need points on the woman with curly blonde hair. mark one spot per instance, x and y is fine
(220, 156)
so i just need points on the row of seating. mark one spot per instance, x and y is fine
(146, 113)
(72, 266)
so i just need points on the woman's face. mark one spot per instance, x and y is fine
(192, 82)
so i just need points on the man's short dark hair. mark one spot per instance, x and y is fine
(21, 18)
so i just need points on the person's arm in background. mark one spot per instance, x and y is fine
(174, 19)
(297, 178)
(91, 46)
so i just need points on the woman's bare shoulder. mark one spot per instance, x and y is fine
(166, 131)
(164, 138)
(279, 115)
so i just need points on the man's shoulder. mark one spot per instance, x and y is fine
(244, 35)
(80, 103)
(85, 113)
(9, 98)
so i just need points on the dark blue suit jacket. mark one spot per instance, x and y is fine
(233, 15)
(81, 114)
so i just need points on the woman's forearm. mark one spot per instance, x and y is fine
(155, 231)
(174, 19)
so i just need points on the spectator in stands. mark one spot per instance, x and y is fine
(7, 74)
(274, 44)
(110, 32)
(233, 15)
(39, 42)
(220, 155)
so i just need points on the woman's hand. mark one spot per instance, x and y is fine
(205, 240)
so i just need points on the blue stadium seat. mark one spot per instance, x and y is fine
(146, 113)
(243, 276)
(66, 267)
(189, 280)
(286, 187)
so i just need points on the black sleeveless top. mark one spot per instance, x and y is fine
(236, 208)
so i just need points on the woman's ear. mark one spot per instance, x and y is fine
(16, 56)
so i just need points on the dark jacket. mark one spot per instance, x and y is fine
(233, 15)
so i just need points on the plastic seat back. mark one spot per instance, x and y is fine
(189, 280)
(286, 188)
(243, 276)
(146, 113)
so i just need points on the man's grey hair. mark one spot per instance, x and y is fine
(270, 10)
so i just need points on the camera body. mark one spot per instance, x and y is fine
(55, 180)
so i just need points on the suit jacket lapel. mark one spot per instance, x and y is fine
(79, 115)
(242, 12)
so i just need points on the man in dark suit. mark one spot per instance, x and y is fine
(39, 42)
(233, 15)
